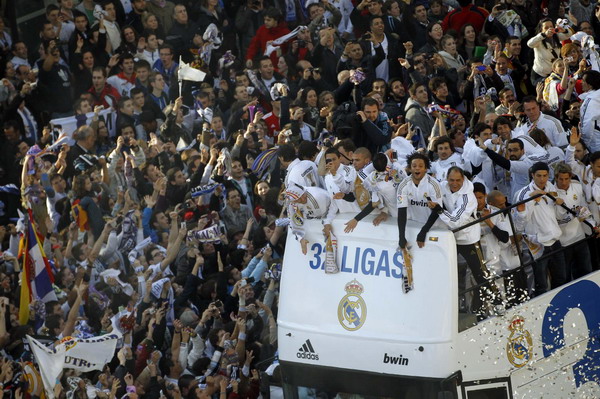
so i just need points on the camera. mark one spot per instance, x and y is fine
(481, 68)
(302, 44)
(366, 36)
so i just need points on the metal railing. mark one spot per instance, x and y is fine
(517, 241)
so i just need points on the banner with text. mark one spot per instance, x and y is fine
(72, 353)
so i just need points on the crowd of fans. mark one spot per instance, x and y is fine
(175, 204)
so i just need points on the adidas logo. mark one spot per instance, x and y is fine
(307, 351)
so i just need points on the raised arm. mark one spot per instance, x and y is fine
(72, 318)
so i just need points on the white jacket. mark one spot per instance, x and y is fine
(460, 210)
(543, 54)
(540, 216)
(590, 114)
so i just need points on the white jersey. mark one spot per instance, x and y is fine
(439, 168)
(555, 156)
(533, 150)
(303, 173)
(488, 175)
(383, 187)
(342, 182)
(360, 192)
(551, 126)
(414, 197)
(318, 206)
(572, 228)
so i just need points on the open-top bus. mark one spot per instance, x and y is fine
(358, 332)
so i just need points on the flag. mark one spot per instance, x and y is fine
(70, 124)
(280, 40)
(186, 72)
(36, 276)
(83, 354)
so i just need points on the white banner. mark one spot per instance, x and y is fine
(72, 353)
(71, 123)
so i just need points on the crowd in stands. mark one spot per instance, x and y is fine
(163, 200)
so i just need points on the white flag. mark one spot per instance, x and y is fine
(186, 72)
(71, 123)
(72, 353)
(282, 39)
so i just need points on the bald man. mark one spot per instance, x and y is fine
(515, 284)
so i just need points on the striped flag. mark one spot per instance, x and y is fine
(36, 277)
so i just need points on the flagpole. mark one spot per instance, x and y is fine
(179, 78)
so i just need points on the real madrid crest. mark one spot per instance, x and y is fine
(520, 344)
(352, 310)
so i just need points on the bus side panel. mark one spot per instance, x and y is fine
(550, 346)
(360, 318)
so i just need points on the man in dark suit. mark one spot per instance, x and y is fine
(85, 138)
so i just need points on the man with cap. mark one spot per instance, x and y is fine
(540, 218)
(308, 203)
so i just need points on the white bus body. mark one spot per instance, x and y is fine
(358, 332)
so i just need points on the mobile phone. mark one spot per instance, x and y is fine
(218, 303)
(395, 154)
(481, 68)
(243, 283)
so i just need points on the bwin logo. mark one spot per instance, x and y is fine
(307, 351)
(401, 361)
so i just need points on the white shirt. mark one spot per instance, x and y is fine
(150, 56)
(552, 127)
(114, 34)
(123, 86)
(383, 187)
(439, 168)
(414, 197)
(17, 61)
(382, 71)
(342, 182)
(303, 173)
(318, 206)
